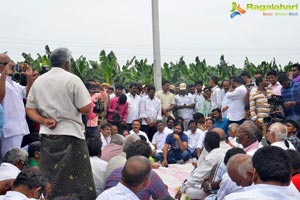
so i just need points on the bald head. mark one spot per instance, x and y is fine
(136, 171)
(130, 139)
(221, 133)
(240, 169)
(117, 139)
(3, 56)
(279, 130)
(4, 60)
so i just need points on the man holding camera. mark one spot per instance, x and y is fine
(291, 97)
(11, 97)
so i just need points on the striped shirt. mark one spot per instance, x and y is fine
(259, 106)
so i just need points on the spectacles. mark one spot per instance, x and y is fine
(5, 63)
(294, 70)
(25, 163)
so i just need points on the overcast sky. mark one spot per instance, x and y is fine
(188, 28)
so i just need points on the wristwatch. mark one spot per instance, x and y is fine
(209, 187)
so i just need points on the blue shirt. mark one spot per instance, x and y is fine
(223, 124)
(174, 143)
(291, 94)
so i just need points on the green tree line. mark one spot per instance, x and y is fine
(107, 68)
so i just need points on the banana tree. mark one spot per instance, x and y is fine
(80, 68)
(108, 66)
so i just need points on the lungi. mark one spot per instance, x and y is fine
(65, 161)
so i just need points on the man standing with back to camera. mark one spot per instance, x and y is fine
(56, 101)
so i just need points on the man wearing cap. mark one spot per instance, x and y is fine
(105, 86)
(185, 105)
(172, 88)
(167, 101)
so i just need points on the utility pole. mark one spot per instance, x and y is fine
(156, 46)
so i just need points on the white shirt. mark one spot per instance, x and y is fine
(195, 140)
(150, 108)
(119, 192)
(203, 170)
(112, 95)
(276, 89)
(105, 141)
(13, 109)
(234, 143)
(114, 163)
(236, 110)
(59, 94)
(227, 186)
(159, 139)
(262, 191)
(13, 195)
(225, 102)
(8, 171)
(133, 107)
(224, 147)
(186, 113)
(98, 170)
(216, 97)
(145, 135)
(200, 144)
(282, 145)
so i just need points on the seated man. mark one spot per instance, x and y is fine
(136, 125)
(276, 135)
(113, 148)
(155, 189)
(240, 170)
(249, 136)
(192, 186)
(98, 166)
(292, 129)
(176, 146)
(135, 177)
(105, 134)
(29, 184)
(220, 122)
(271, 176)
(159, 139)
(120, 159)
(14, 161)
(195, 139)
(227, 186)
(114, 130)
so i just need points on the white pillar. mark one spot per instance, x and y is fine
(156, 46)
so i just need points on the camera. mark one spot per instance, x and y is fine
(275, 100)
(250, 85)
(19, 67)
(273, 117)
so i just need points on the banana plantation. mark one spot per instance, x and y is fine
(106, 69)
